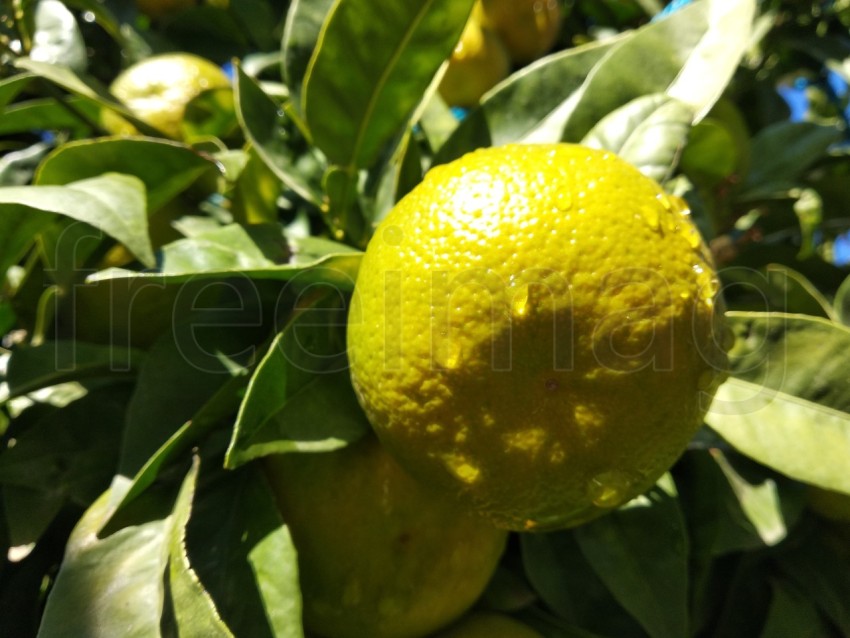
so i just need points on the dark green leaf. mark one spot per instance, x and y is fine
(299, 369)
(11, 87)
(568, 585)
(61, 361)
(842, 302)
(19, 226)
(109, 586)
(113, 203)
(265, 125)
(64, 77)
(29, 512)
(640, 551)
(48, 114)
(300, 35)
(167, 168)
(792, 614)
(823, 575)
(72, 451)
(373, 63)
(782, 152)
(648, 132)
(235, 527)
(194, 611)
(182, 372)
(787, 403)
(801, 295)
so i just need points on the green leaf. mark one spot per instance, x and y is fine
(57, 362)
(227, 248)
(304, 22)
(49, 114)
(274, 562)
(298, 369)
(373, 63)
(560, 574)
(222, 404)
(11, 87)
(19, 227)
(167, 168)
(842, 302)
(110, 586)
(823, 576)
(269, 130)
(651, 60)
(194, 611)
(235, 527)
(792, 614)
(64, 77)
(760, 502)
(800, 295)
(782, 152)
(787, 403)
(29, 512)
(640, 551)
(518, 105)
(183, 370)
(72, 451)
(113, 203)
(648, 132)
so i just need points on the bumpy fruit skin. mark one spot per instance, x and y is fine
(528, 28)
(158, 88)
(477, 64)
(488, 625)
(534, 330)
(379, 554)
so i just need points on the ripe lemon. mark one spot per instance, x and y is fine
(534, 329)
(477, 64)
(489, 625)
(528, 28)
(158, 89)
(379, 554)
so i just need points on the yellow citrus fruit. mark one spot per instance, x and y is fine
(379, 554)
(488, 625)
(528, 28)
(160, 8)
(158, 89)
(534, 329)
(477, 64)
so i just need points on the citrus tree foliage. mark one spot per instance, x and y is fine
(172, 311)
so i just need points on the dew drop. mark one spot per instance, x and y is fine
(651, 217)
(611, 488)
(563, 200)
(693, 236)
(520, 303)
(448, 354)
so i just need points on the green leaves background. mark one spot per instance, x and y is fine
(174, 311)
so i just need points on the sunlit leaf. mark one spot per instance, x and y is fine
(390, 52)
(166, 167)
(304, 22)
(194, 610)
(110, 586)
(640, 551)
(648, 132)
(784, 406)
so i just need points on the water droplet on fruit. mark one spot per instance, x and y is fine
(611, 488)
(448, 354)
(693, 236)
(651, 217)
(563, 200)
(520, 305)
